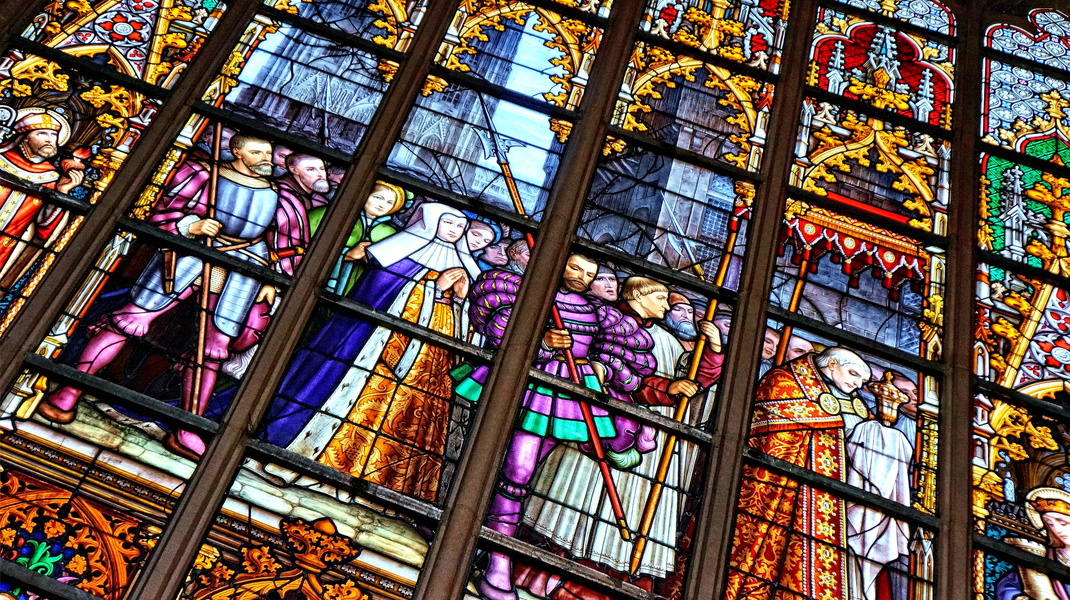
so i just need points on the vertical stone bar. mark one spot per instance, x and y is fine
(446, 570)
(196, 511)
(713, 534)
(954, 567)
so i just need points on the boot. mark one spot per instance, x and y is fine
(102, 348)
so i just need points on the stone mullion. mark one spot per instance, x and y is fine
(36, 316)
(446, 570)
(16, 15)
(712, 543)
(167, 568)
(954, 567)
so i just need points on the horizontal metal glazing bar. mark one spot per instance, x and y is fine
(424, 188)
(475, 82)
(1048, 408)
(860, 342)
(410, 329)
(925, 237)
(682, 49)
(869, 110)
(188, 246)
(1024, 159)
(331, 33)
(565, 11)
(569, 570)
(1016, 555)
(892, 22)
(843, 490)
(106, 390)
(659, 272)
(67, 61)
(647, 417)
(78, 207)
(1044, 275)
(672, 151)
(292, 141)
(49, 588)
(418, 510)
(1024, 63)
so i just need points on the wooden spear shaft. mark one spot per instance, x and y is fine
(574, 375)
(206, 274)
(652, 501)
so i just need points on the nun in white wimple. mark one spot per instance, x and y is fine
(365, 399)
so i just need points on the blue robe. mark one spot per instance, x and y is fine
(1010, 587)
(320, 364)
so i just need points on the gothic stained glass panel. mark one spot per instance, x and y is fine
(998, 578)
(747, 31)
(928, 14)
(388, 396)
(870, 164)
(389, 23)
(697, 107)
(835, 547)
(303, 84)
(142, 318)
(1049, 45)
(274, 538)
(890, 70)
(669, 213)
(449, 142)
(847, 414)
(1019, 460)
(632, 340)
(1023, 110)
(95, 125)
(860, 278)
(84, 502)
(1023, 331)
(1023, 209)
(151, 40)
(526, 49)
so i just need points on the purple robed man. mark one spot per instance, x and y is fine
(247, 220)
(612, 354)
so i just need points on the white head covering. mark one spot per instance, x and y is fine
(419, 242)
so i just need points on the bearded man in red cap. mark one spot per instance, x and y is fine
(28, 155)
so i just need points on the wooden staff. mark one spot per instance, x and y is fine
(652, 501)
(793, 305)
(206, 273)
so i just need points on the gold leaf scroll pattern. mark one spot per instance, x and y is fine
(575, 40)
(313, 550)
(108, 545)
(835, 152)
(656, 69)
(1009, 421)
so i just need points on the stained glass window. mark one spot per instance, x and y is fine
(551, 299)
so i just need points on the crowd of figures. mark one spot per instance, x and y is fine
(377, 403)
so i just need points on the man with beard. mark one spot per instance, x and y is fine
(247, 220)
(29, 156)
(568, 506)
(788, 534)
(612, 353)
(305, 181)
(519, 252)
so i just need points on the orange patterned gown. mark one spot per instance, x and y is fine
(790, 539)
(396, 432)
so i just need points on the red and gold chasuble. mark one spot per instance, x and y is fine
(18, 210)
(790, 539)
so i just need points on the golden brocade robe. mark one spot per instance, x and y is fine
(790, 539)
(395, 434)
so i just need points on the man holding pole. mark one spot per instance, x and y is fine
(599, 347)
(233, 208)
(577, 518)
